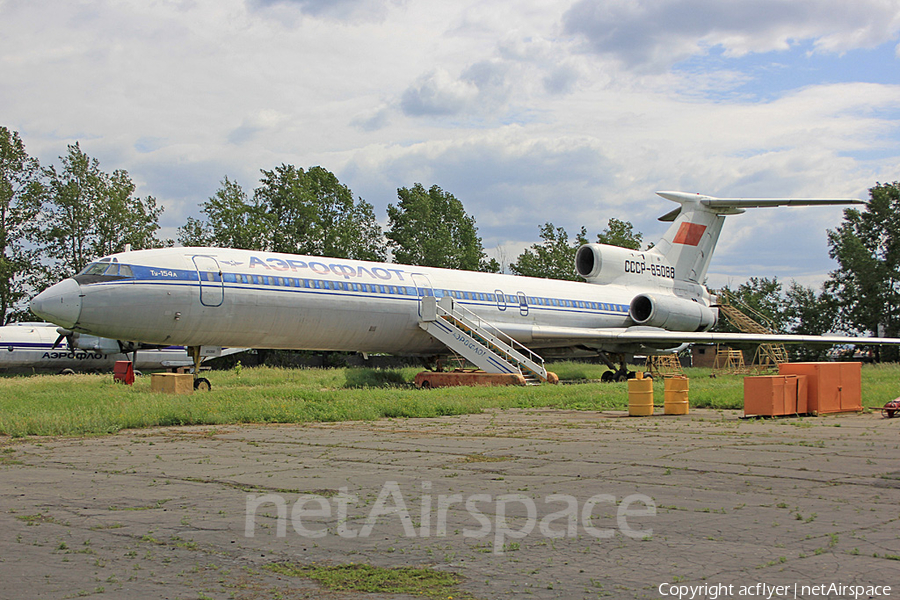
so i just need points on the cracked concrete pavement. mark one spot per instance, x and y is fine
(543, 503)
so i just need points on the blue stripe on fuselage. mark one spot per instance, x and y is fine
(154, 276)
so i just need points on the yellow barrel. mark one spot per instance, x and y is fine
(675, 396)
(640, 396)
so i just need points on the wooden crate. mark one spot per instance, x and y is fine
(172, 383)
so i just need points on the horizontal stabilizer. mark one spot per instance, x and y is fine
(733, 206)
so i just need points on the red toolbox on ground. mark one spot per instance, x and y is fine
(123, 372)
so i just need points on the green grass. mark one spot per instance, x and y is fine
(416, 581)
(880, 384)
(93, 404)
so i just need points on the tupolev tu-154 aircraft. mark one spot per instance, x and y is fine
(632, 301)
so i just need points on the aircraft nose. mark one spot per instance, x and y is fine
(59, 303)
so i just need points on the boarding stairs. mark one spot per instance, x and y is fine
(481, 343)
(768, 356)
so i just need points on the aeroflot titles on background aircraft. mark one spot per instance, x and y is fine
(27, 347)
(632, 302)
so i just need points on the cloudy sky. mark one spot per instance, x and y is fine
(528, 111)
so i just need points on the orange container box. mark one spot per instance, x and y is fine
(774, 395)
(832, 387)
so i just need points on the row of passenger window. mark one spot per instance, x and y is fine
(315, 284)
(400, 290)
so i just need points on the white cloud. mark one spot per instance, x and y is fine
(363, 10)
(655, 34)
(438, 94)
(256, 124)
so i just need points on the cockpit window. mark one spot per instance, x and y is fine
(94, 269)
(103, 271)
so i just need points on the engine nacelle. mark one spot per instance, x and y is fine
(671, 312)
(600, 263)
(94, 343)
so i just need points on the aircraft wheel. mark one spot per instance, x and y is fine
(426, 385)
(607, 376)
(621, 377)
(202, 384)
(64, 371)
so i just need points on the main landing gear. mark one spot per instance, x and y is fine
(200, 383)
(618, 374)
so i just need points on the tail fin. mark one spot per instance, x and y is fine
(689, 243)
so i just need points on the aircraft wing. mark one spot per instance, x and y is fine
(661, 338)
(187, 361)
(227, 351)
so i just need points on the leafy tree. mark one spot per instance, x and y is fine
(554, 258)
(20, 199)
(286, 209)
(867, 281)
(122, 218)
(196, 233)
(622, 234)
(431, 228)
(342, 228)
(763, 298)
(232, 222)
(758, 298)
(89, 213)
(311, 212)
(807, 312)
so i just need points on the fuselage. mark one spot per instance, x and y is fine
(632, 301)
(227, 297)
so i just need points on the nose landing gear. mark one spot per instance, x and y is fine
(200, 383)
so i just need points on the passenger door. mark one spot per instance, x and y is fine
(212, 286)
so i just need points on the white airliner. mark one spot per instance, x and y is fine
(632, 301)
(30, 347)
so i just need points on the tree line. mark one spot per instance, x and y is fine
(860, 297)
(311, 212)
(56, 220)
